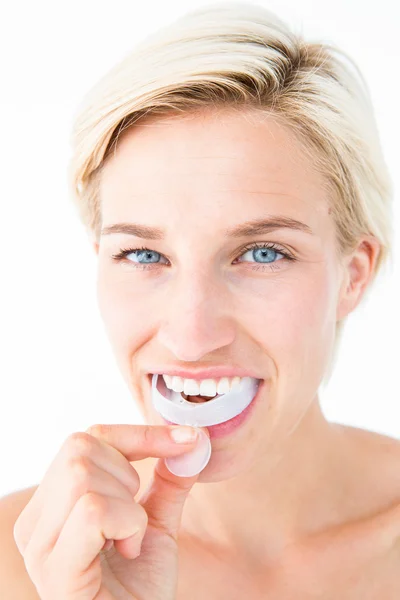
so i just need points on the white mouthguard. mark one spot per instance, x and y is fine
(173, 407)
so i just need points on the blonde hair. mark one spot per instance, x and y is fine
(241, 55)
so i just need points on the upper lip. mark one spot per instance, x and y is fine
(207, 373)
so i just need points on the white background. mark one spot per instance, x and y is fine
(58, 373)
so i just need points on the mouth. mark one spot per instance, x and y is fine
(198, 399)
(180, 408)
(230, 426)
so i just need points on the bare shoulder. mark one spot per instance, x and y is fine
(14, 579)
(18, 498)
(381, 454)
(390, 448)
(358, 557)
(376, 530)
(379, 461)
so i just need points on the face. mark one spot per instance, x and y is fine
(199, 297)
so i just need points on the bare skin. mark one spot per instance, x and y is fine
(289, 505)
(286, 477)
(358, 558)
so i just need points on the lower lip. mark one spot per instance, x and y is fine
(222, 429)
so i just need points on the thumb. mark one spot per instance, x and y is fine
(167, 492)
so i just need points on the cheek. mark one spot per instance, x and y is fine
(300, 334)
(123, 309)
(292, 317)
(286, 308)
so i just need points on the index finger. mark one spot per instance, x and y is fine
(136, 442)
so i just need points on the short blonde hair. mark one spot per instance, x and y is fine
(241, 55)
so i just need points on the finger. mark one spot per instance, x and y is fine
(165, 497)
(136, 442)
(93, 519)
(81, 477)
(77, 444)
(122, 442)
(107, 545)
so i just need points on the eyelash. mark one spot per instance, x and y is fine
(271, 246)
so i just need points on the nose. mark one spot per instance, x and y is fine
(197, 319)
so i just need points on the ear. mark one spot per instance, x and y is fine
(94, 239)
(358, 270)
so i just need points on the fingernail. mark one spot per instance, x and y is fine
(183, 435)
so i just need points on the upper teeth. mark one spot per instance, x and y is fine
(204, 387)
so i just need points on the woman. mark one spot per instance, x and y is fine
(248, 163)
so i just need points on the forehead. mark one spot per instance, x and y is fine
(204, 162)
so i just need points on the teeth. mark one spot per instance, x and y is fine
(199, 412)
(205, 387)
(175, 383)
(191, 387)
(223, 386)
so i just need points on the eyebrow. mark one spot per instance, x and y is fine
(248, 228)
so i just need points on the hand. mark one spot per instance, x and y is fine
(86, 498)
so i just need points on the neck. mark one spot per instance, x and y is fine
(292, 490)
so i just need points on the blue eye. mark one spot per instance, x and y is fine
(144, 254)
(264, 252)
(265, 255)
